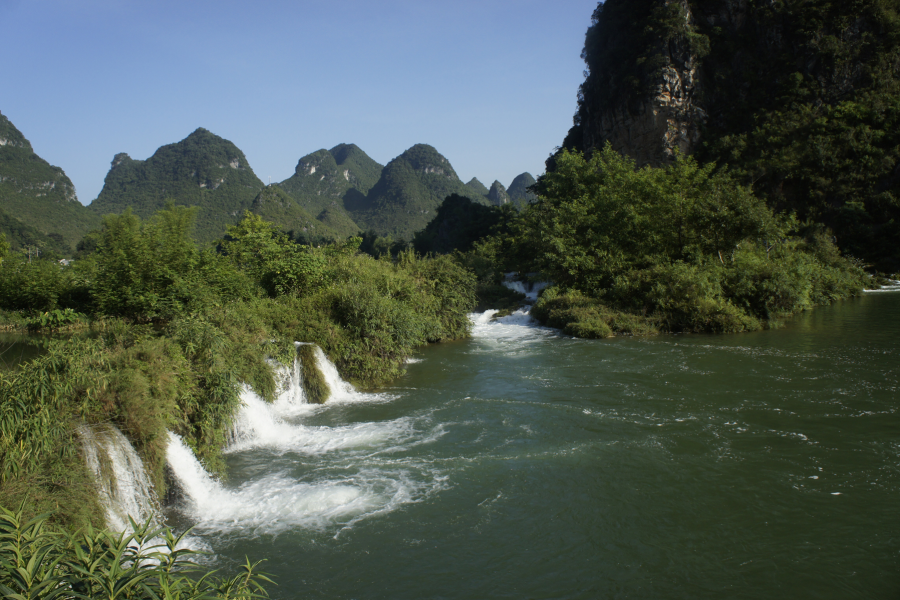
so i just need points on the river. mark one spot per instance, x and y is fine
(526, 464)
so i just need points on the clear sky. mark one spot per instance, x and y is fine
(491, 84)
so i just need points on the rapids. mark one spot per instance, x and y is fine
(526, 464)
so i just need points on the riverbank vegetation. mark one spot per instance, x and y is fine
(174, 331)
(37, 562)
(682, 247)
(678, 248)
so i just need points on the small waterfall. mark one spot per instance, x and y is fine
(261, 424)
(290, 382)
(340, 389)
(258, 420)
(122, 483)
(278, 502)
(529, 288)
(198, 487)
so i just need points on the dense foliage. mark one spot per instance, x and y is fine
(22, 236)
(457, 225)
(684, 245)
(275, 205)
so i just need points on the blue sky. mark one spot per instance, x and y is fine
(491, 84)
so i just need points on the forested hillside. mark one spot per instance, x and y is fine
(329, 180)
(799, 99)
(202, 170)
(275, 206)
(408, 193)
(477, 187)
(38, 205)
(518, 190)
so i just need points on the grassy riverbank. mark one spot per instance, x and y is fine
(180, 330)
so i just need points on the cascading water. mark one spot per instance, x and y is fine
(123, 486)
(529, 288)
(367, 480)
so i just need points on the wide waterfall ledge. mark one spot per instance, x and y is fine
(124, 487)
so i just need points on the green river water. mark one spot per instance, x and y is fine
(526, 464)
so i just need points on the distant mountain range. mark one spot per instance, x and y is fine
(38, 205)
(201, 170)
(332, 194)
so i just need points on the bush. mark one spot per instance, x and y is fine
(582, 316)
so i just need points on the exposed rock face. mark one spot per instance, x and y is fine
(654, 125)
(668, 120)
(664, 73)
(518, 189)
(497, 194)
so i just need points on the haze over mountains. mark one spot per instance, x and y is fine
(332, 194)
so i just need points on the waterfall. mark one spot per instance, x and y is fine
(280, 500)
(261, 424)
(340, 389)
(529, 288)
(290, 380)
(198, 487)
(122, 483)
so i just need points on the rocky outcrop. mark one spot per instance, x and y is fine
(667, 121)
(664, 74)
(666, 115)
(497, 194)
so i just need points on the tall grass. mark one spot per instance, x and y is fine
(146, 563)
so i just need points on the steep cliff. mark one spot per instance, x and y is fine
(799, 98)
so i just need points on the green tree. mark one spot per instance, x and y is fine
(269, 256)
(597, 218)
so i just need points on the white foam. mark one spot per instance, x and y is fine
(530, 289)
(278, 502)
(122, 483)
(519, 327)
(894, 287)
(262, 425)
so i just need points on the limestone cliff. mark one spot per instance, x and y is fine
(497, 194)
(800, 100)
(667, 75)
